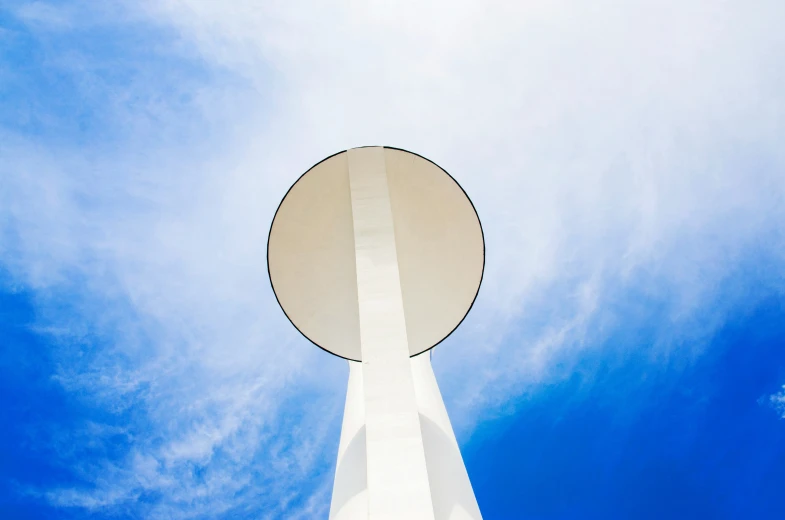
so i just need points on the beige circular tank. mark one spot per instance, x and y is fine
(438, 241)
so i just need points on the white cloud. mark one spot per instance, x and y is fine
(777, 401)
(610, 148)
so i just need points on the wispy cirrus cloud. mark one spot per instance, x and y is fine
(624, 159)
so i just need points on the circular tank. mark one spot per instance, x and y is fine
(438, 241)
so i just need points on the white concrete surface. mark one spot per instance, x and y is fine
(396, 471)
(350, 486)
(376, 255)
(451, 489)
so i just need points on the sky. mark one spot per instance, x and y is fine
(625, 357)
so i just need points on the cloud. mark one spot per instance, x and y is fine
(777, 402)
(623, 157)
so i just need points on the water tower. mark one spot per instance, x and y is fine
(376, 255)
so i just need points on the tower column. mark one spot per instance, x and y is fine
(376, 255)
(451, 490)
(397, 474)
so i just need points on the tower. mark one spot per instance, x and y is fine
(376, 255)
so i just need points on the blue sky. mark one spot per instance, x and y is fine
(624, 358)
